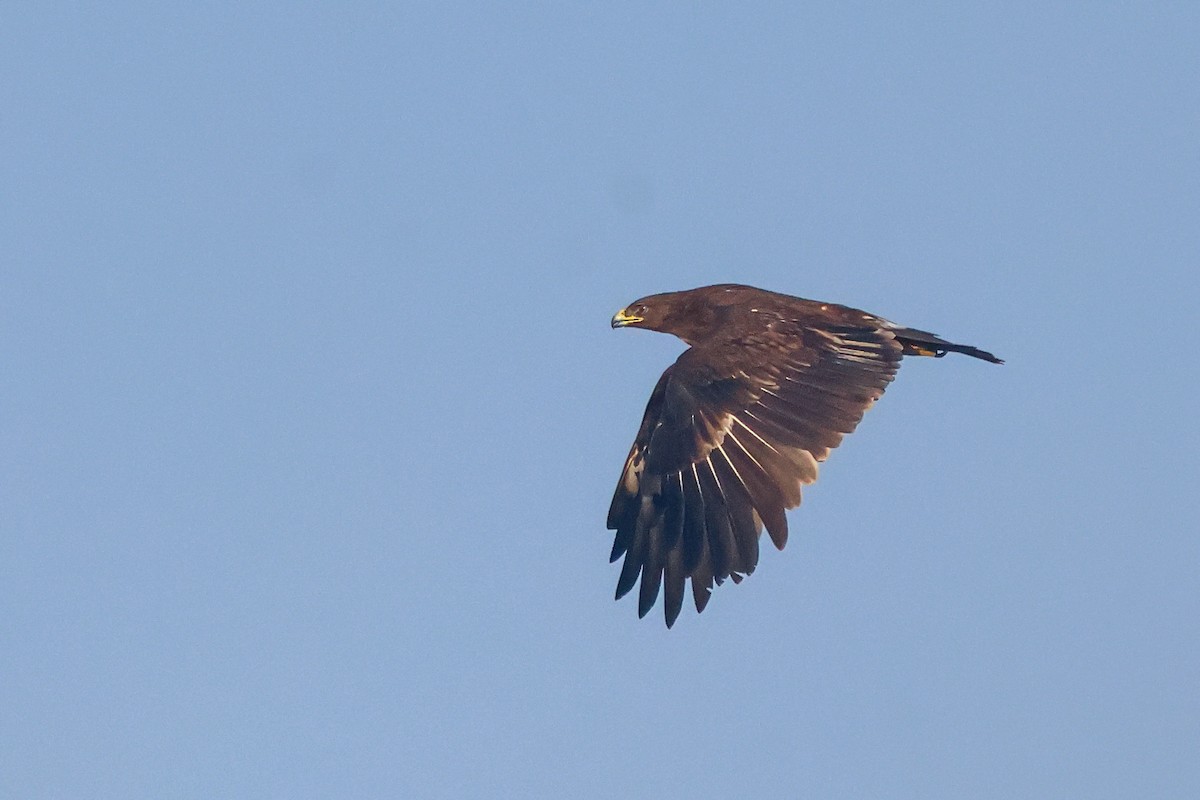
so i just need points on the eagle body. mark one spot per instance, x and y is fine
(738, 424)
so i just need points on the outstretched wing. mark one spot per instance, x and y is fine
(731, 433)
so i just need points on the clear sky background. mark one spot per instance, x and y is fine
(311, 412)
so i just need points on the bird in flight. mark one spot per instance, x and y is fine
(768, 386)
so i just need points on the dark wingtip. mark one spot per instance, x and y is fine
(629, 575)
(648, 595)
(775, 521)
(618, 550)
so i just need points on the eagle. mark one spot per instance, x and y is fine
(737, 425)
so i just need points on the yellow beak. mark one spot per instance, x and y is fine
(621, 319)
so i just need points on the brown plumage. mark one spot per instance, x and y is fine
(768, 386)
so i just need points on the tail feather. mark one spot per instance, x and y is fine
(923, 343)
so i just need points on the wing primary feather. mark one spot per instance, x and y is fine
(780, 465)
(792, 431)
(670, 504)
(754, 485)
(633, 564)
(694, 531)
(674, 580)
(702, 582)
(750, 431)
(652, 572)
(624, 502)
(768, 499)
(721, 543)
(621, 542)
(739, 508)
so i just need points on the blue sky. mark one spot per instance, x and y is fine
(312, 412)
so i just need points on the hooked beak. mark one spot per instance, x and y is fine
(623, 318)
